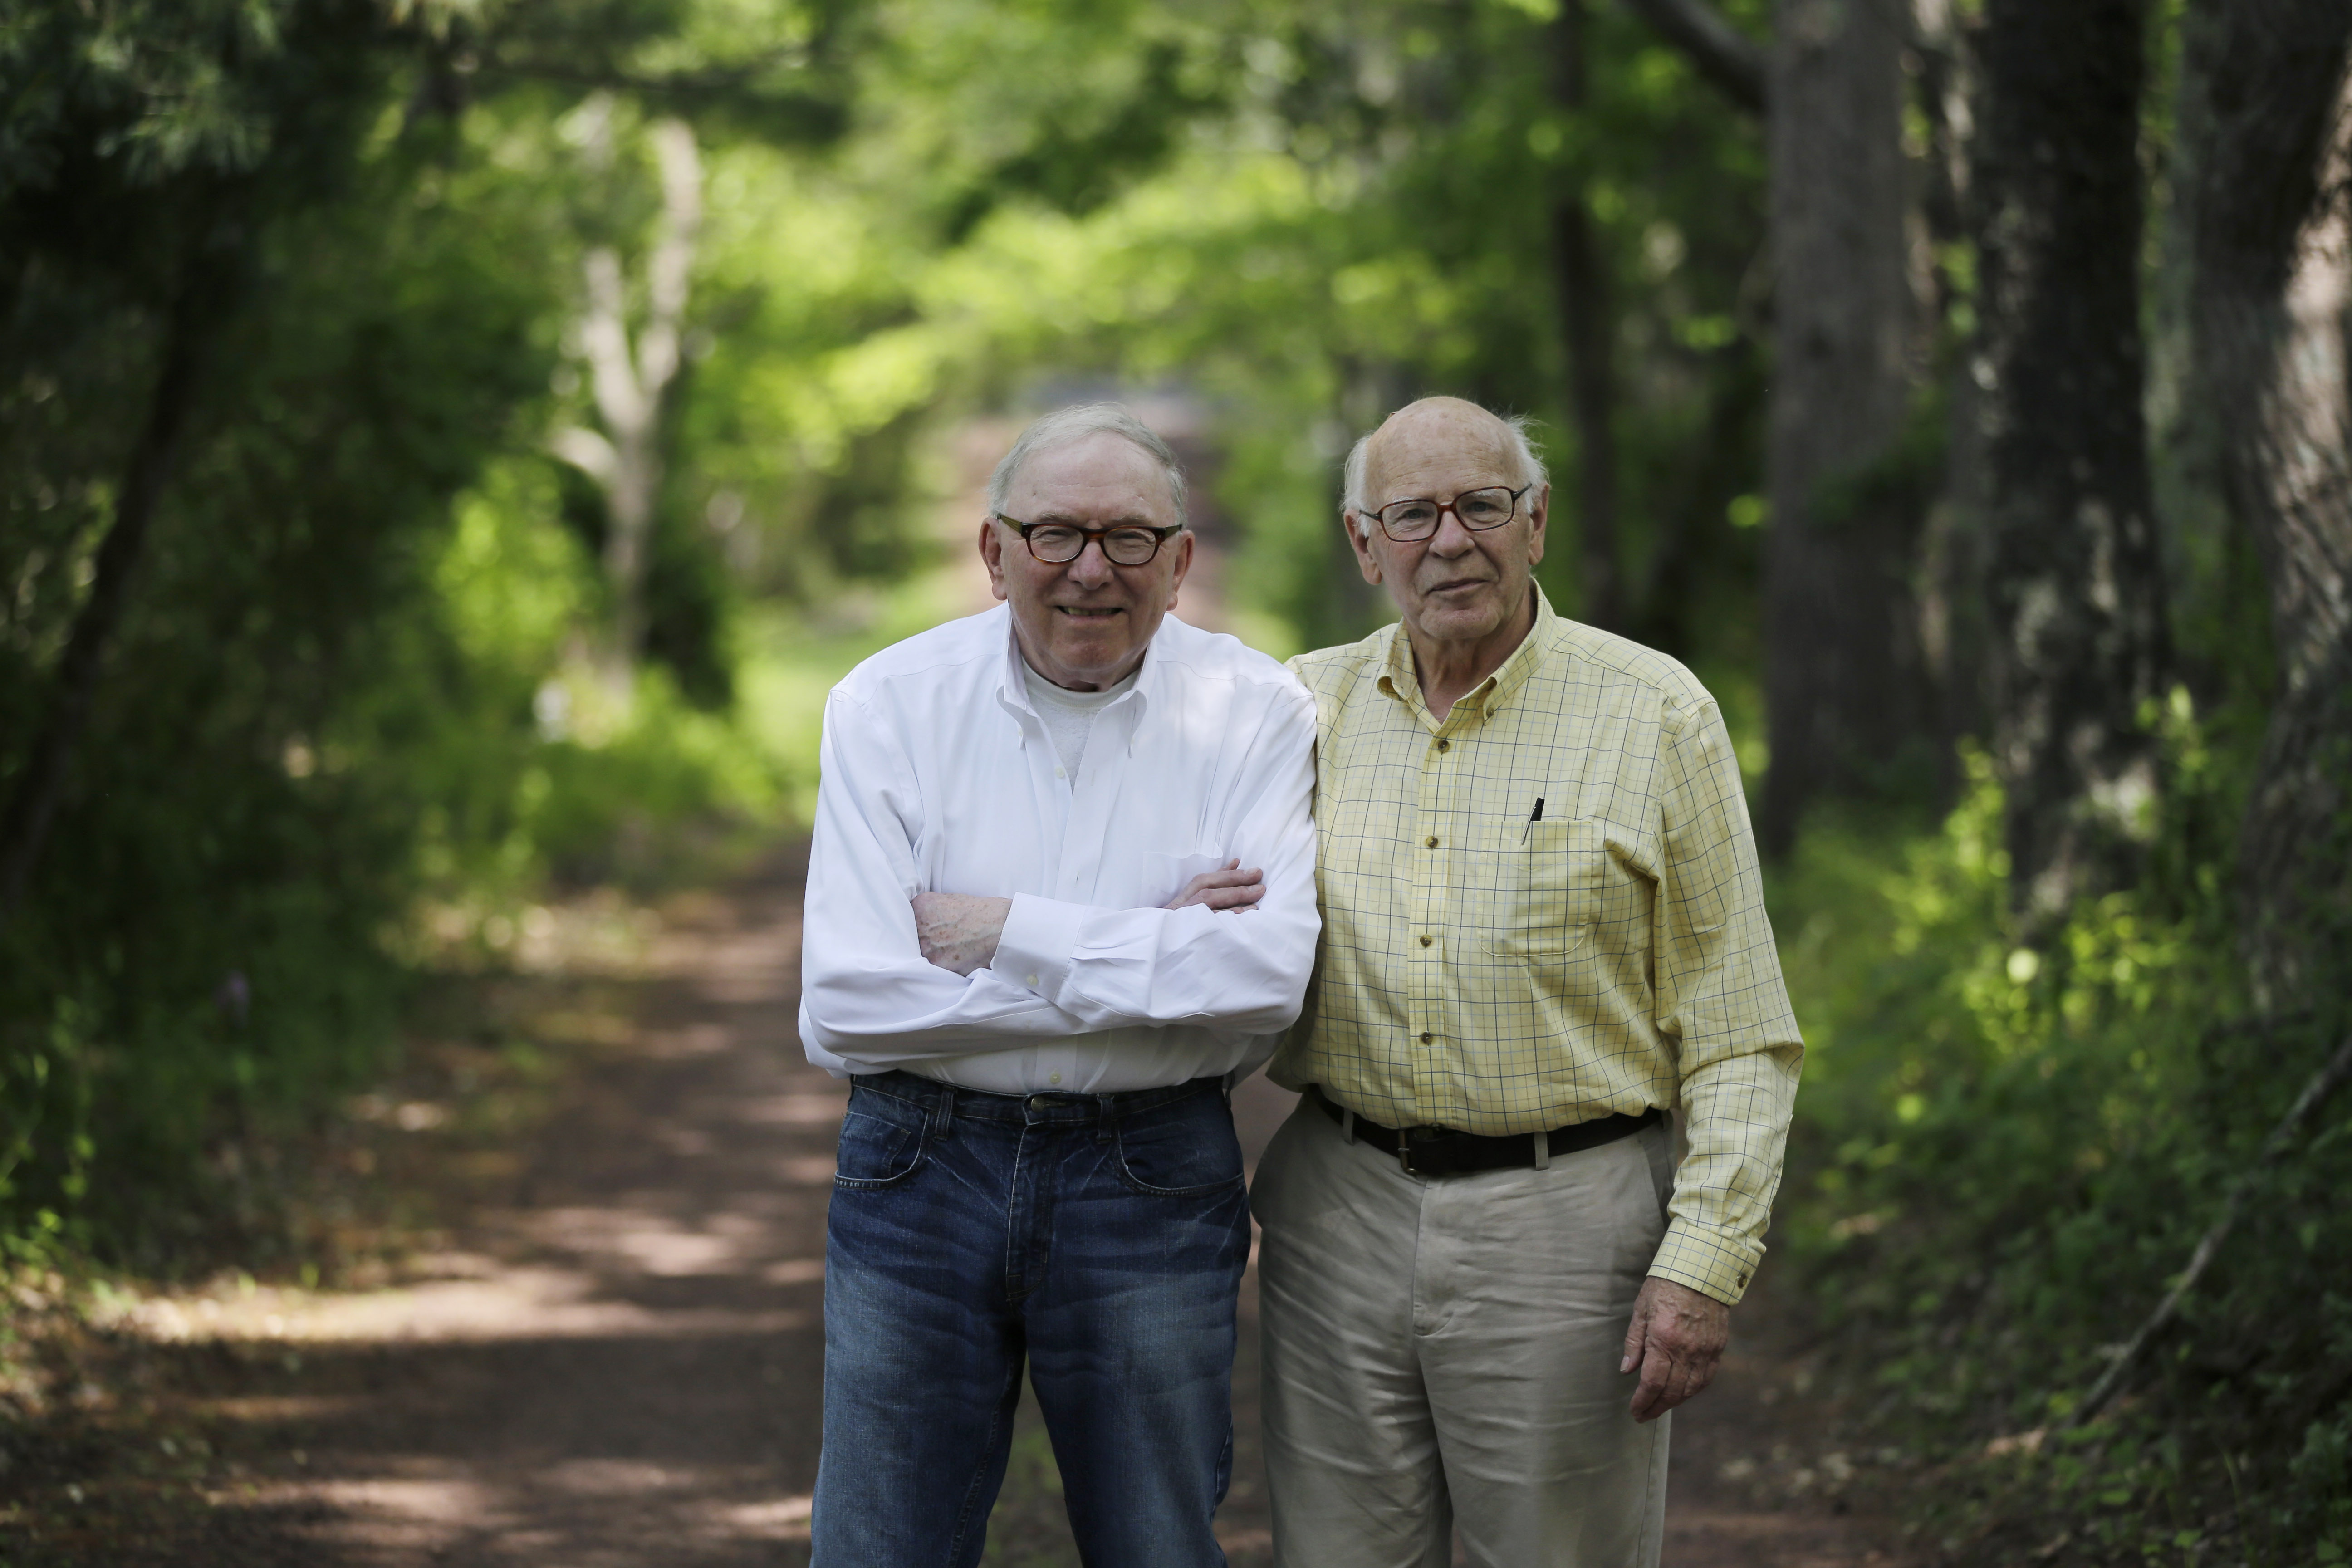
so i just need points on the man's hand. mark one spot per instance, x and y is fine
(959, 931)
(1676, 1338)
(1228, 889)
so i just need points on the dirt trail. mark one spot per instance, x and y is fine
(619, 1362)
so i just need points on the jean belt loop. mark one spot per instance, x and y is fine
(1348, 1124)
(943, 1110)
(1543, 1151)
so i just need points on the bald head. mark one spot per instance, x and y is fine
(1465, 590)
(1451, 425)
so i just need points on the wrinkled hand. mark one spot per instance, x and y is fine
(1676, 1338)
(960, 932)
(1230, 887)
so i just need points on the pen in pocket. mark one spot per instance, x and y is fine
(1533, 817)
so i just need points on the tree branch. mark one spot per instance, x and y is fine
(1718, 51)
(587, 451)
(2322, 1083)
(25, 826)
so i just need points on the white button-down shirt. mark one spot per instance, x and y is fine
(939, 776)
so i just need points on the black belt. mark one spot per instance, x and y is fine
(1443, 1151)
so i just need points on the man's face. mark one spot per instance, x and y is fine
(1084, 623)
(1457, 586)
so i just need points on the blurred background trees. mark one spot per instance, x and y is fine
(449, 447)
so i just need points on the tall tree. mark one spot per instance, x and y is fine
(1842, 682)
(2266, 124)
(1588, 329)
(630, 377)
(2074, 578)
(146, 147)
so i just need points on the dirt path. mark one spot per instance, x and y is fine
(617, 1359)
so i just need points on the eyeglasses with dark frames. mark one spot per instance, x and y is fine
(1123, 544)
(1489, 506)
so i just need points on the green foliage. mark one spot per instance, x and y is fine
(224, 822)
(2006, 1153)
(353, 726)
(321, 716)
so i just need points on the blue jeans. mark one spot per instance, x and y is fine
(1100, 1237)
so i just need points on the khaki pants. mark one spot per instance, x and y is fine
(1444, 1351)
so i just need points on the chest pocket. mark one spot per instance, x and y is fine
(1546, 885)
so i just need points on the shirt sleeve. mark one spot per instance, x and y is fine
(867, 994)
(1242, 971)
(1720, 998)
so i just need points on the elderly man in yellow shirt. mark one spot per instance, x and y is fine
(1485, 1280)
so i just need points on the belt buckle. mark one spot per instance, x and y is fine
(1404, 1152)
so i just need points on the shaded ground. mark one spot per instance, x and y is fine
(616, 1356)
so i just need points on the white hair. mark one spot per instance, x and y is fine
(1351, 481)
(1067, 427)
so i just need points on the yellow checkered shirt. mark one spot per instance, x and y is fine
(1486, 971)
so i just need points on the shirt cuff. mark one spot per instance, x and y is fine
(1712, 1262)
(1039, 937)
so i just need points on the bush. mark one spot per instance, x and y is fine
(327, 709)
(2004, 1154)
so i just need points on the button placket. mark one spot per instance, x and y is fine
(1430, 892)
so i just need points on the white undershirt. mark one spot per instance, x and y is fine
(1069, 715)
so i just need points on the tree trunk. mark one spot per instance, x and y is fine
(2076, 587)
(2268, 109)
(1843, 692)
(628, 384)
(1588, 329)
(33, 803)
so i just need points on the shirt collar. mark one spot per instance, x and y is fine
(1012, 691)
(1400, 680)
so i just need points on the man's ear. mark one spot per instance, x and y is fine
(1366, 562)
(1538, 513)
(992, 554)
(1183, 565)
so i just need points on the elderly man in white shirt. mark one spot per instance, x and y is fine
(1061, 898)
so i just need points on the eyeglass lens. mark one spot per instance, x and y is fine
(1121, 546)
(1409, 520)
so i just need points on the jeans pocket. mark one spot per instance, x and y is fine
(1181, 1151)
(877, 1151)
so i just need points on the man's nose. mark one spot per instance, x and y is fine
(1092, 568)
(1452, 538)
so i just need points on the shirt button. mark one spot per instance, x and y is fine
(1054, 1077)
(1030, 981)
(1425, 941)
(1430, 842)
(1445, 745)
(1425, 1037)
(1061, 773)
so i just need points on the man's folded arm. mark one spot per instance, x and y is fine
(1721, 998)
(870, 997)
(1244, 971)
(868, 993)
